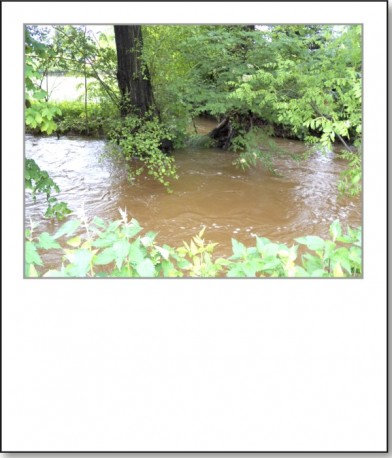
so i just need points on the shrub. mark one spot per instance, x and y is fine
(139, 140)
(73, 117)
(119, 249)
(70, 117)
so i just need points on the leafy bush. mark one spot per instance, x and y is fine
(119, 249)
(74, 119)
(332, 257)
(40, 116)
(139, 141)
(69, 117)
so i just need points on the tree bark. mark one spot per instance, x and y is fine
(132, 76)
(222, 134)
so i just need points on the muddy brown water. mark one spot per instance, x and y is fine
(210, 191)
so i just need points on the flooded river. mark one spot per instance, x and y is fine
(210, 191)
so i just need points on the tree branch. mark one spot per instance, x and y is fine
(330, 119)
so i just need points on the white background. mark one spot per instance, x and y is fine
(195, 365)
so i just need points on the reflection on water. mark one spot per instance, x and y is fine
(210, 192)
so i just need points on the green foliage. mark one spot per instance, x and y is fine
(196, 259)
(169, 67)
(105, 249)
(56, 209)
(321, 97)
(351, 179)
(249, 145)
(40, 115)
(218, 55)
(266, 259)
(76, 118)
(39, 181)
(199, 141)
(79, 52)
(138, 140)
(120, 249)
(331, 257)
(304, 81)
(71, 50)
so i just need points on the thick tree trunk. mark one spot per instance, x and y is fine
(132, 76)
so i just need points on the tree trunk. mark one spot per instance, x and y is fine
(223, 133)
(132, 76)
(231, 126)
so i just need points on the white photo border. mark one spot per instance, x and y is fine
(195, 365)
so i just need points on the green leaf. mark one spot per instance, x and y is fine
(104, 257)
(356, 178)
(121, 250)
(270, 249)
(223, 262)
(337, 270)
(250, 268)
(46, 241)
(32, 271)
(80, 262)
(319, 273)
(131, 231)
(75, 241)
(163, 252)
(114, 225)
(99, 222)
(236, 271)
(121, 247)
(260, 242)
(146, 241)
(345, 239)
(270, 264)
(183, 263)
(124, 272)
(40, 94)
(335, 230)
(136, 252)
(68, 228)
(313, 242)
(146, 268)
(239, 249)
(355, 255)
(31, 255)
(30, 121)
(312, 263)
(301, 272)
(169, 269)
(105, 240)
(342, 256)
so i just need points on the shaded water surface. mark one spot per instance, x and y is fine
(211, 192)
